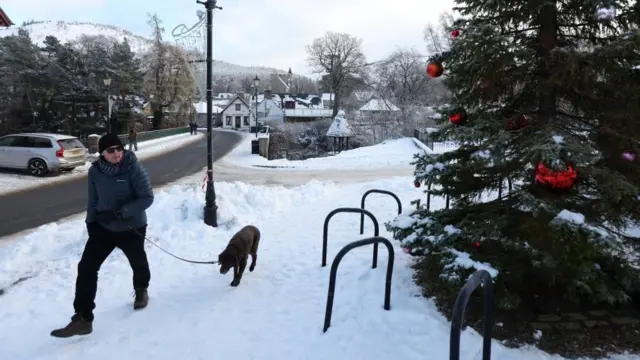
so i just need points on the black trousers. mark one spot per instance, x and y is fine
(99, 246)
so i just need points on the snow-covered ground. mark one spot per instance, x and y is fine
(276, 313)
(389, 154)
(11, 181)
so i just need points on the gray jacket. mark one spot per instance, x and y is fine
(128, 190)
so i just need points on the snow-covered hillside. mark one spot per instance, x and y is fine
(70, 31)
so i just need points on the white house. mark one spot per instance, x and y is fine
(376, 106)
(270, 112)
(201, 113)
(236, 114)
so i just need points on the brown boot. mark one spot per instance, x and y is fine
(141, 300)
(77, 326)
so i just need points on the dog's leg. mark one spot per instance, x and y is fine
(254, 252)
(243, 265)
(235, 280)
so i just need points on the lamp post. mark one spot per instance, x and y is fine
(210, 207)
(107, 83)
(256, 82)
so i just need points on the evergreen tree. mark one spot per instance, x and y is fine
(127, 80)
(542, 84)
(22, 72)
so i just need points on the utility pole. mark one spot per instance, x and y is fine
(210, 207)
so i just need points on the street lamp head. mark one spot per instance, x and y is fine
(256, 81)
(107, 81)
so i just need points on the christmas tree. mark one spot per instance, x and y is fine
(545, 181)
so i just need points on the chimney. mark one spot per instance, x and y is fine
(267, 91)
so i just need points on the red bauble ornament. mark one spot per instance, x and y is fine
(416, 183)
(435, 69)
(458, 118)
(556, 180)
(455, 33)
(520, 123)
(477, 244)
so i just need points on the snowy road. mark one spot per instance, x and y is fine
(12, 181)
(44, 204)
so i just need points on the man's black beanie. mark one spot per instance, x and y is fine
(108, 141)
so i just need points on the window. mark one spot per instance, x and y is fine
(41, 143)
(19, 141)
(246, 120)
(7, 140)
(69, 144)
(228, 120)
(238, 107)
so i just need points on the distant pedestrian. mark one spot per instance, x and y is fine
(119, 194)
(193, 127)
(133, 138)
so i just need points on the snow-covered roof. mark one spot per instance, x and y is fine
(201, 108)
(340, 127)
(362, 95)
(378, 105)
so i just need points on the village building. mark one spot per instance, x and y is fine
(236, 114)
(4, 19)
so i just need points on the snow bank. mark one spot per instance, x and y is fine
(389, 154)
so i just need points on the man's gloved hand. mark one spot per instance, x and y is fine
(108, 216)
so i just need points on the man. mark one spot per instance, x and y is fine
(133, 138)
(119, 194)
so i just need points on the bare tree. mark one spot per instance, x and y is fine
(168, 78)
(340, 55)
(302, 84)
(437, 36)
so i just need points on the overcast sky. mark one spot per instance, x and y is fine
(257, 32)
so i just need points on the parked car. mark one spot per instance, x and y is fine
(41, 153)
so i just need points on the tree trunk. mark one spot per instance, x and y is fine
(158, 119)
(336, 102)
(548, 39)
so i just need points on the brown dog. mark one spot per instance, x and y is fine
(242, 244)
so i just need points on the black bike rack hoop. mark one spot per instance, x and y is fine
(377, 191)
(325, 232)
(480, 277)
(334, 271)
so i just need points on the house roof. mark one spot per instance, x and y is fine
(340, 127)
(4, 19)
(234, 99)
(378, 105)
(275, 103)
(201, 108)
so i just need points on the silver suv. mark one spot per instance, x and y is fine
(41, 153)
